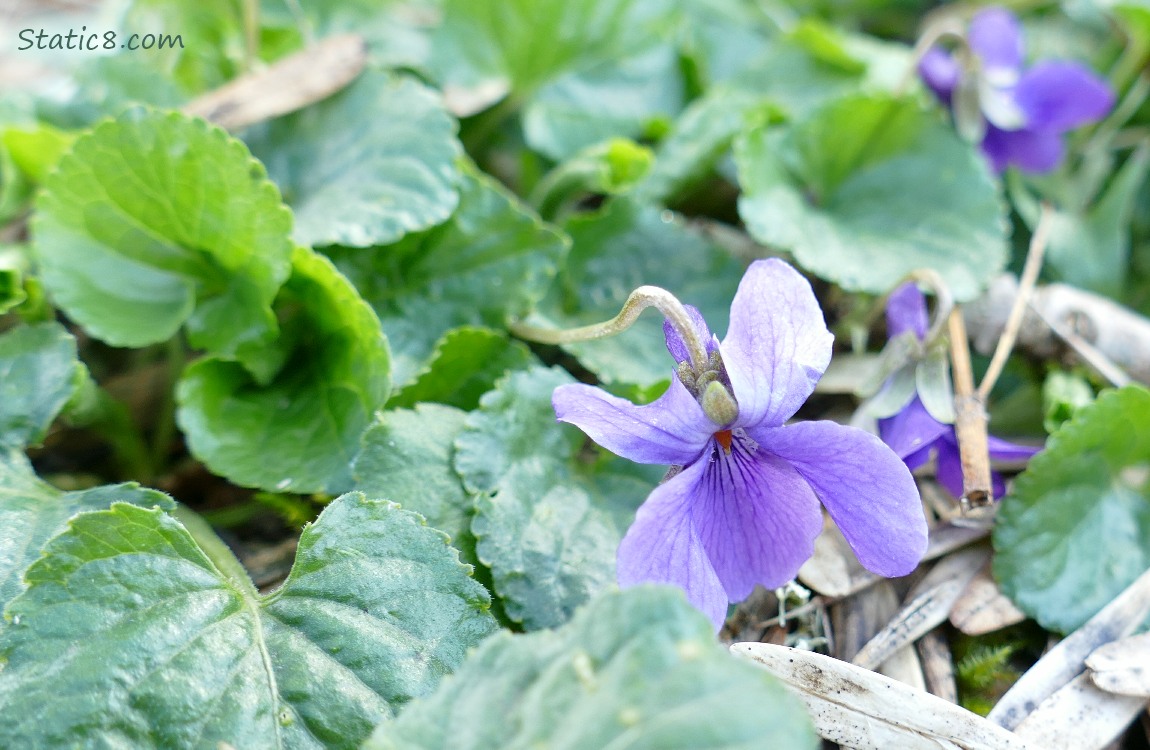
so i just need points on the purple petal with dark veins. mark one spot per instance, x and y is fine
(671, 430)
(1060, 95)
(777, 346)
(755, 515)
(1029, 150)
(865, 487)
(996, 37)
(906, 311)
(662, 547)
(675, 344)
(911, 431)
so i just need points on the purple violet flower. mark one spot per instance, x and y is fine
(1025, 111)
(740, 506)
(913, 433)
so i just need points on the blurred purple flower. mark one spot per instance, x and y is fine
(913, 433)
(1025, 111)
(743, 507)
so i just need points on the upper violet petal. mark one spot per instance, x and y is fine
(662, 547)
(675, 344)
(906, 311)
(777, 346)
(1059, 95)
(940, 71)
(868, 491)
(1003, 450)
(1030, 150)
(911, 430)
(756, 517)
(996, 37)
(671, 430)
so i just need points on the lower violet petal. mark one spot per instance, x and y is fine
(662, 547)
(948, 470)
(755, 515)
(911, 430)
(1029, 150)
(868, 491)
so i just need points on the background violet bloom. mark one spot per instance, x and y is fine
(913, 433)
(744, 508)
(1026, 111)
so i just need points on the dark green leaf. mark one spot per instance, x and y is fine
(156, 219)
(132, 634)
(1076, 530)
(38, 374)
(638, 669)
(622, 247)
(367, 165)
(869, 188)
(548, 522)
(465, 364)
(299, 432)
(486, 266)
(32, 512)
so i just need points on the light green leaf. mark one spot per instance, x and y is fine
(132, 635)
(529, 42)
(869, 188)
(32, 512)
(300, 432)
(1064, 394)
(637, 669)
(367, 165)
(157, 219)
(36, 150)
(212, 35)
(38, 374)
(13, 267)
(486, 266)
(622, 247)
(465, 364)
(548, 522)
(1076, 530)
(406, 458)
(617, 99)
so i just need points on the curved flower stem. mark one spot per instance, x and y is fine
(638, 301)
(949, 26)
(944, 302)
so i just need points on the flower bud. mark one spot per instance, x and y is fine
(719, 405)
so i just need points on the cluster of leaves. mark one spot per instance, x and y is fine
(345, 279)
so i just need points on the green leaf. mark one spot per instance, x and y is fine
(486, 266)
(157, 219)
(1064, 394)
(624, 246)
(637, 669)
(529, 42)
(213, 40)
(618, 99)
(32, 512)
(367, 165)
(1076, 530)
(406, 458)
(548, 523)
(13, 266)
(869, 188)
(465, 364)
(299, 432)
(131, 634)
(38, 374)
(36, 150)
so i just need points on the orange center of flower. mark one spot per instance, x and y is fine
(723, 437)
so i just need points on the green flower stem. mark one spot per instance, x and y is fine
(638, 301)
(219, 553)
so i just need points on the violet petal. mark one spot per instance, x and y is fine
(868, 491)
(1030, 150)
(756, 517)
(662, 547)
(906, 311)
(911, 430)
(777, 346)
(671, 430)
(675, 344)
(1060, 95)
(1004, 450)
(996, 37)
(940, 71)
(948, 470)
